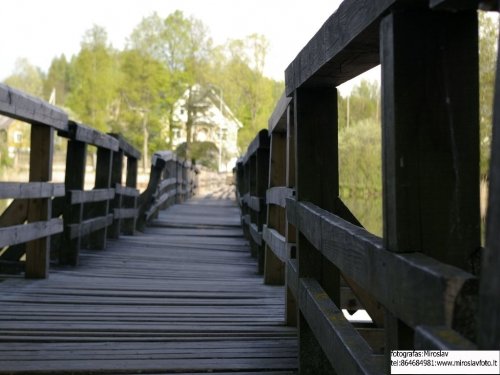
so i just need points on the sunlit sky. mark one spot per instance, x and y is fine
(42, 29)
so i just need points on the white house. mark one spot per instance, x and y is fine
(213, 122)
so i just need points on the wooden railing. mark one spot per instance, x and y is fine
(52, 221)
(418, 283)
(252, 191)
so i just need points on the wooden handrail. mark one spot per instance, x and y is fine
(61, 218)
(415, 281)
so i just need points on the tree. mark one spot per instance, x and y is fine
(488, 37)
(93, 80)
(58, 80)
(183, 45)
(142, 94)
(238, 70)
(26, 77)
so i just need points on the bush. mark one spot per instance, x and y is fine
(204, 153)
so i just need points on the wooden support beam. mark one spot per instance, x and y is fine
(345, 348)
(41, 153)
(90, 136)
(317, 181)
(362, 257)
(116, 180)
(345, 46)
(29, 232)
(291, 310)
(430, 140)
(21, 106)
(76, 157)
(19, 190)
(15, 214)
(97, 239)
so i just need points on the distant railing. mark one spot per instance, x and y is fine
(253, 170)
(52, 221)
(418, 283)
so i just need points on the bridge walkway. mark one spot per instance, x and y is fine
(184, 297)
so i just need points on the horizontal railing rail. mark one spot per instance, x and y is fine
(53, 221)
(417, 282)
(252, 172)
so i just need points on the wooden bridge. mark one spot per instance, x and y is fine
(168, 281)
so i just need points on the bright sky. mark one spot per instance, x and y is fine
(40, 30)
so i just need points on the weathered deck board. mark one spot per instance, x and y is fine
(183, 297)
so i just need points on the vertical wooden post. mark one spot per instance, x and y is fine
(128, 225)
(290, 231)
(76, 158)
(274, 270)
(42, 148)
(97, 240)
(489, 291)
(116, 179)
(178, 166)
(157, 165)
(316, 182)
(261, 183)
(430, 140)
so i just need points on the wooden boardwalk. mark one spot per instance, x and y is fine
(184, 297)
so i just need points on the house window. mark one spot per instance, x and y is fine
(17, 136)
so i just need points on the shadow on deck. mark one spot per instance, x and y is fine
(183, 297)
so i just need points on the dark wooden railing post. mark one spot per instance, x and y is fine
(316, 182)
(146, 198)
(291, 310)
(131, 202)
(276, 253)
(124, 205)
(41, 153)
(116, 181)
(430, 140)
(97, 239)
(76, 158)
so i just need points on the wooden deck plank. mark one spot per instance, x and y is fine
(182, 297)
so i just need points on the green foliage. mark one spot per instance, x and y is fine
(26, 77)
(93, 80)
(238, 69)
(134, 91)
(203, 153)
(360, 155)
(488, 37)
(360, 164)
(5, 161)
(362, 104)
(141, 99)
(58, 79)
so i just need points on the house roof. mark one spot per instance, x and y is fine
(212, 101)
(5, 122)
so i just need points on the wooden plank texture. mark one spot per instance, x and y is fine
(88, 196)
(345, 46)
(126, 147)
(83, 133)
(183, 297)
(346, 350)
(362, 256)
(277, 121)
(277, 195)
(24, 107)
(19, 190)
(28, 232)
(276, 242)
